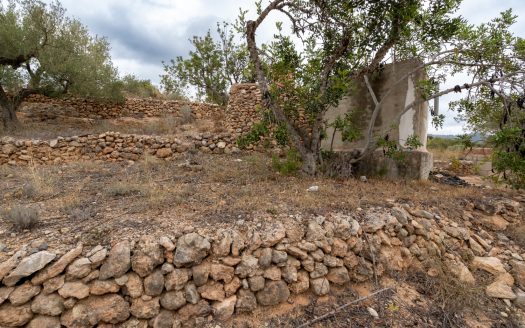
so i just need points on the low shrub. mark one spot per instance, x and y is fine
(22, 217)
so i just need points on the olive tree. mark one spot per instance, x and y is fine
(211, 68)
(344, 42)
(44, 52)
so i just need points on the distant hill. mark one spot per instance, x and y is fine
(476, 137)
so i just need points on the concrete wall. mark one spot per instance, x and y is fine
(413, 122)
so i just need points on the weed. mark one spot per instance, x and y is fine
(186, 115)
(290, 165)
(22, 217)
(123, 189)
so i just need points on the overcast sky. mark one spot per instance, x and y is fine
(143, 33)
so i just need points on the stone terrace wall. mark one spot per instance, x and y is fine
(243, 107)
(149, 107)
(240, 114)
(181, 280)
(110, 146)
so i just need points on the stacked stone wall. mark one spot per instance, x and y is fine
(110, 147)
(191, 279)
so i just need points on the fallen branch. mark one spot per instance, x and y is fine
(343, 307)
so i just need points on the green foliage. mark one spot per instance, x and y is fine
(135, 87)
(508, 157)
(289, 166)
(258, 130)
(211, 68)
(465, 140)
(43, 51)
(437, 143)
(281, 134)
(413, 142)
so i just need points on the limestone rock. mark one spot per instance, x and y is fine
(102, 287)
(154, 283)
(110, 308)
(23, 294)
(315, 232)
(265, 257)
(246, 301)
(400, 214)
(177, 279)
(256, 283)
(320, 271)
(201, 309)
(338, 276)
(56, 268)
(28, 266)
(374, 222)
(134, 286)
(274, 292)
(297, 253)
(5, 292)
(219, 272)
(200, 273)
(167, 243)
(273, 234)
(501, 287)
(15, 316)
(148, 254)
(173, 300)
(495, 222)
(213, 291)
(302, 284)
(79, 269)
(12, 262)
(76, 289)
(248, 266)
(53, 284)
(279, 256)
(518, 271)
(118, 261)
(145, 309)
(44, 322)
(320, 286)
(192, 295)
(489, 264)
(165, 319)
(224, 310)
(232, 287)
(50, 305)
(289, 273)
(191, 249)
(222, 246)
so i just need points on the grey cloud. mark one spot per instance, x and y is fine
(130, 39)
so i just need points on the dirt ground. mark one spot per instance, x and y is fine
(99, 202)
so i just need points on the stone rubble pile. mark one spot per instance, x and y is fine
(186, 280)
(110, 146)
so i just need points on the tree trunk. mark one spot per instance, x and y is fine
(309, 163)
(9, 119)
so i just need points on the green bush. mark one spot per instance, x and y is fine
(258, 130)
(290, 165)
(508, 157)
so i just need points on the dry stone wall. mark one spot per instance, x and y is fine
(110, 146)
(192, 279)
(149, 107)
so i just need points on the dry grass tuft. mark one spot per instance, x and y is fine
(22, 217)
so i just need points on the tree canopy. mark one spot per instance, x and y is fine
(44, 52)
(211, 67)
(347, 41)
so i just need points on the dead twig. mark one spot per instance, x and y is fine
(324, 316)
